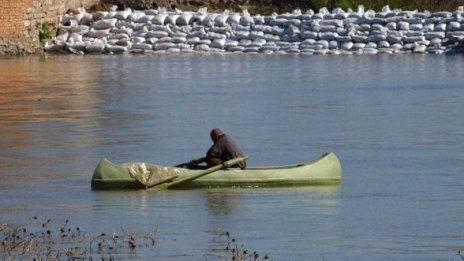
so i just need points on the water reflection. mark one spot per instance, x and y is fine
(47, 105)
(229, 201)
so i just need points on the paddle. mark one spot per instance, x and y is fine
(192, 162)
(224, 165)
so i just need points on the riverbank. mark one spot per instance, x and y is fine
(337, 32)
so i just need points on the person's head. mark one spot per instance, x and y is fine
(215, 134)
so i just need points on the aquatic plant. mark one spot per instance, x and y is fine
(46, 240)
(40, 241)
(235, 251)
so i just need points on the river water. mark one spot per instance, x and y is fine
(396, 123)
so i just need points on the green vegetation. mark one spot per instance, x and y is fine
(45, 31)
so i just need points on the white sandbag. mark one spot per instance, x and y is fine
(213, 36)
(241, 35)
(419, 49)
(230, 43)
(403, 26)
(75, 37)
(172, 19)
(178, 34)
(79, 15)
(255, 35)
(416, 27)
(152, 40)
(184, 18)
(383, 44)
(377, 37)
(205, 41)
(327, 36)
(115, 48)
(87, 19)
(193, 40)
(244, 42)
(246, 19)
(104, 24)
(343, 39)
(142, 46)
(370, 51)
(183, 46)
(110, 15)
(346, 46)
(179, 39)
(138, 39)
(163, 46)
(414, 33)
(159, 19)
(100, 15)
(97, 46)
(122, 30)
(234, 18)
(309, 35)
(258, 42)
(144, 19)
(221, 20)
(358, 46)
(391, 26)
(69, 21)
(209, 20)
(135, 15)
(413, 39)
(202, 48)
(122, 15)
(442, 14)
(237, 48)
(77, 46)
(271, 37)
(436, 41)
(124, 42)
(440, 27)
(359, 38)
(218, 43)
(157, 34)
(453, 26)
(198, 18)
(269, 47)
(118, 36)
(251, 49)
(371, 45)
(151, 12)
(98, 33)
(259, 19)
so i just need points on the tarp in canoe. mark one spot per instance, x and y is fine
(151, 174)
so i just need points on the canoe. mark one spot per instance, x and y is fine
(325, 170)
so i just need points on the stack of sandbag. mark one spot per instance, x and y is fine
(336, 32)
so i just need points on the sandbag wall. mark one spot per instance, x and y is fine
(336, 32)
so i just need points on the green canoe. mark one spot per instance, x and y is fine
(326, 170)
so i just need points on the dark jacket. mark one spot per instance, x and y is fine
(224, 149)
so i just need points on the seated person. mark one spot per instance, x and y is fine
(223, 149)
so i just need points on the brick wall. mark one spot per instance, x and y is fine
(19, 20)
(12, 18)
